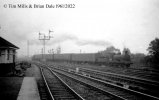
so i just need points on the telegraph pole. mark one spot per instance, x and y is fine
(43, 38)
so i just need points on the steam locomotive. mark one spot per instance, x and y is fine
(111, 59)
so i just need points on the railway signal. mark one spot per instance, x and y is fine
(43, 38)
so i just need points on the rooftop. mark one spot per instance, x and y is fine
(6, 44)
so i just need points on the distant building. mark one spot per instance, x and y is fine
(7, 56)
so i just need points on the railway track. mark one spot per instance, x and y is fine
(127, 94)
(141, 73)
(93, 93)
(43, 91)
(57, 88)
(139, 94)
(141, 80)
(138, 84)
(133, 83)
(44, 95)
(89, 92)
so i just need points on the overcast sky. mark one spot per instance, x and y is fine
(91, 26)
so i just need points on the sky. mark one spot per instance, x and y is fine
(91, 26)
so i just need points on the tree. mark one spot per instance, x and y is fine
(153, 50)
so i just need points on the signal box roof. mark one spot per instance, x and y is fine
(4, 44)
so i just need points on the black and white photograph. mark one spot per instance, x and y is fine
(79, 49)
